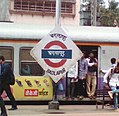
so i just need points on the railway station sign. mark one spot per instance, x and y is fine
(56, 53)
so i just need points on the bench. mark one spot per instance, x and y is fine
(116, 92)
(101, 93)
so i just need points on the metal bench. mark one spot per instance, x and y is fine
(116, 92)
(101, 94)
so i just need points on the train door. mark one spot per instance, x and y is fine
(87, 50)
(97, 53)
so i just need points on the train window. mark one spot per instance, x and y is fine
(7, 52)
(28, 66)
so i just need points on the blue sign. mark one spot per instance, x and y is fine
(56, 54)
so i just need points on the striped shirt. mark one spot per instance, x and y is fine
(83, 68)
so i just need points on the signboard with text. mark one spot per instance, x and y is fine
(56, 53)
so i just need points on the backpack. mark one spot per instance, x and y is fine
(10, 77)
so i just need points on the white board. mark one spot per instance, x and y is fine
(56, 53)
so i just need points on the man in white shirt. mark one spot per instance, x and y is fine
(113, 64)
(73, 77)
(107, 72)
(91, 76)
(113, 82)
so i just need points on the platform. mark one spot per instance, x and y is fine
(65, 110)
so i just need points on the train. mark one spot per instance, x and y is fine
(16, 41)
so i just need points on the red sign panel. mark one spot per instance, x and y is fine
(31, 92)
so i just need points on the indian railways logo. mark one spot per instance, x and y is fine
(55, 54)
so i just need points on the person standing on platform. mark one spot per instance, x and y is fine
(91, 75)
(2, 104)
(73, 80)
(82, 73)
(6, 72)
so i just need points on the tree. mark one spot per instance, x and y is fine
(110, 16)
(113, 5)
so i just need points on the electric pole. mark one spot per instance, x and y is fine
(93, 12)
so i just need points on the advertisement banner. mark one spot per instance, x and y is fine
(32, 88)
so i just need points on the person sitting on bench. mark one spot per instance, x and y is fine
(113, 73)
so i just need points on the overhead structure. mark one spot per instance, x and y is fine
(4, 10)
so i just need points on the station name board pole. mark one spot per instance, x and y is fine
(55, 104)
(56, 53)
(58, 13)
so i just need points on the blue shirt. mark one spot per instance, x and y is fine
(83, 68)
(0, 69)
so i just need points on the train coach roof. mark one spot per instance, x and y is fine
(76, 33)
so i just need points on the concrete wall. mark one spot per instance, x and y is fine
(38, 19)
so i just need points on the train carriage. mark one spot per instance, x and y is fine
(16, 41)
